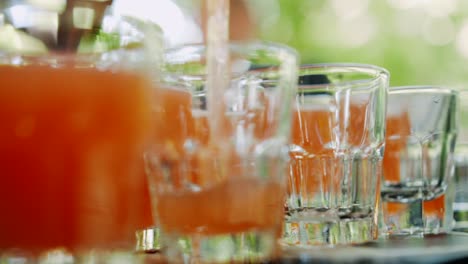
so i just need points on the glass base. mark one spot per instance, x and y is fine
(63, 256)
(460, 205)
(416, 218)
(148, 240)
(312, 233)
(460, 214)
(245, 247)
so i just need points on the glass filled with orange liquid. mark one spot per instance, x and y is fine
(336, 153)
(218, 193)
(418, 165)
(76, 116)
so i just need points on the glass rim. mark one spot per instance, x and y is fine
(422, 89)
(236, 43)
(375, 72)
(129, 33)
(244, 45)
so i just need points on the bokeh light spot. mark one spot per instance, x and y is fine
(438, 31)
(462, 40)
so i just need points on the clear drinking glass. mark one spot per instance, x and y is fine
(460, 206)
(335, 155)
(419, 161)
(219, 197)
(76, 117)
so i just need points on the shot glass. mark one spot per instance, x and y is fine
(419, 160)
(336, 153)
(218, 190)
(460, 205)
(76, 117)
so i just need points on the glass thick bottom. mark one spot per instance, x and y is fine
(417, 218)
(148, 240)
(460, 206)
(305, 233)
(244, 247)
(460, 215)
(62, 256)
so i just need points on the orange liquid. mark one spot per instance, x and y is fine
(435, 207)
(174, 121)
(174, 124)
(357, 127)
(229, 201)
(398, 128)
(204, 169)
(235, 205)
(70, 150)
(312, 130)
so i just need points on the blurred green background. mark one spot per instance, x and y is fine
(418, 41)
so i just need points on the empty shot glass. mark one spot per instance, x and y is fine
(460, 205)
(419, 161)
(336, 153)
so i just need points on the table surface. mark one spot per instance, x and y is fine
(447, 249)
(450, 248)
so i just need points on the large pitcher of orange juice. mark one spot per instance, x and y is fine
(76, 116)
